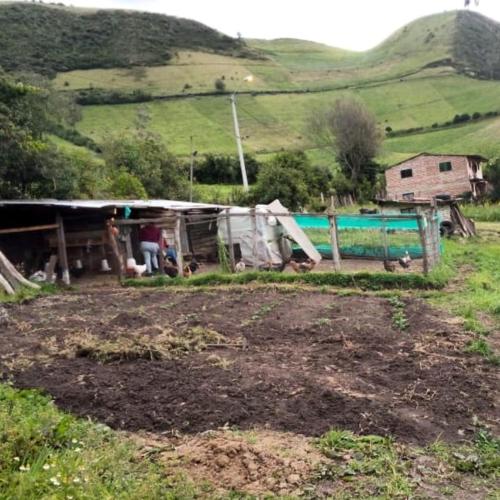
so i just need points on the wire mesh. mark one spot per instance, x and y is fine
(366, 236)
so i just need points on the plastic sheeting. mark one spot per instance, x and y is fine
(260, 238)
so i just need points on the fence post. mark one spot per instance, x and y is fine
(230, 241)
(423, 242)
(332, 219)
(384, 239)
(254, 231)
(62, 250)
(178, 243)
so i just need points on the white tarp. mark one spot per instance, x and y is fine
(265, 239)
(293, 230)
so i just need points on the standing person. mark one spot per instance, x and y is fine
(149, 236)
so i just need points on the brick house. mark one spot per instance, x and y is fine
(427, 175)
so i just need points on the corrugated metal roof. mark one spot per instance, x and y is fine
(166, 204)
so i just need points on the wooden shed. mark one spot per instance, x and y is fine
(73, 233)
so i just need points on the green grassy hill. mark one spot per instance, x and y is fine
(50, 38)
(425, 73)
(272, 122)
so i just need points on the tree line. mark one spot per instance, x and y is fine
(139, 165)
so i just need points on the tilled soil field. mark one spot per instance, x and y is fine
(284, 360)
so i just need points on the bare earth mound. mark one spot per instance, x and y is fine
(301, 362)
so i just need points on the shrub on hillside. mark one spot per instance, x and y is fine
(465, 117)
(102, 96)
(225, 169)
(219, 85)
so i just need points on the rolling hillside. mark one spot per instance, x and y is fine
(460, 42)
(424, 74)
(51, 38)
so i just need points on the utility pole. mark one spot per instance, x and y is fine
(238, 142)
(191, 169)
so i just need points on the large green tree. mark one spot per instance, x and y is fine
(350, 130)
(291, 178)
(147, 159)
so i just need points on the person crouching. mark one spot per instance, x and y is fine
(149, 237)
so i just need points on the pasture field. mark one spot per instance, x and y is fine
(271, 122)
(286, 64)
(256, 390)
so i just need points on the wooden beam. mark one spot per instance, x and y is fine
(334, 241)
(230, 242)
(178, 244)
(423, 242)
(114, 248)
(136, 222)
(13, 276)
(62, 250)
(6, 286)
(28, 229)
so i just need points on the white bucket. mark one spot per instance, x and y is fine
(78, 264)
(105, 266)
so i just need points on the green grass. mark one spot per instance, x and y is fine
(46, 453)
(487, 212)
(363, 280)
(216, 193)
(272, 122)
(471, 267)
(371, 463)
(26, 294)
(377, 467)
(290, 64)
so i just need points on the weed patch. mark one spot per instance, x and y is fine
(481, 347)
(364, 280)
(45, 453)
(374, 464)
(399, 318)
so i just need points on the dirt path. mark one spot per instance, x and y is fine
(301, 362)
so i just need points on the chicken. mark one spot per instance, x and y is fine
(389, 266)
(187, 273)
(240, 266)
(77, 272)
(139, 270)
(303, 267)
(170, 269)
(194, 265)
(405, 261)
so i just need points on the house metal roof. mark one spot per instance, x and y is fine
(97, 204)
(477, 157)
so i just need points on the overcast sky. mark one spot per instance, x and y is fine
(350, 24)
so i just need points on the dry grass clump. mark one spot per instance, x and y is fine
(164, 344)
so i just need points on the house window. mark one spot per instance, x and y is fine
(408, 196)
(445, 166)
(408, 210)
(407, 172)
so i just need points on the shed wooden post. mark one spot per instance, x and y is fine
(384, 238)
(253, 218)
(332, 219)
(230, 241)
(114, 248)
(61, 249)
(178, 243)
(423, 242)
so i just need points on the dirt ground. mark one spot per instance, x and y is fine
(288, 361)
